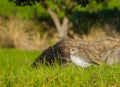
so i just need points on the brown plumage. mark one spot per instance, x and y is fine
(58, 52)
(94, 50)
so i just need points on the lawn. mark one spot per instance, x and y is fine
(16, 71)
(27, 12)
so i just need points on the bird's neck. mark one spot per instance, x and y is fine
(74, 54)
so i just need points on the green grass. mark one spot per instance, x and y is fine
(27, 12)
(16, 71)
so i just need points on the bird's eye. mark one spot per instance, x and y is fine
(71, 49)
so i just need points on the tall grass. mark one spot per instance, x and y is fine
(16, 71)
(22, 34)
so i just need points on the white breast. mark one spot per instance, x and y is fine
(79, 62)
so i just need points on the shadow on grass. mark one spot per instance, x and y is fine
(84, 20)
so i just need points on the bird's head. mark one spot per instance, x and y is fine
(74, 50)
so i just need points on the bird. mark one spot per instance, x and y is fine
(85, 53)
(79, 59)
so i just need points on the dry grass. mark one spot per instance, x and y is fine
(25, 34)
(15, 33)
(99, 32)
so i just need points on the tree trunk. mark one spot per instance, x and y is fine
(63, 27)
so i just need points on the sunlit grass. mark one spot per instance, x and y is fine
(16, 71)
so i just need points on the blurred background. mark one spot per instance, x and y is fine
(37, 24)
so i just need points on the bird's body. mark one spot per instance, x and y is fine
(78, 59)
